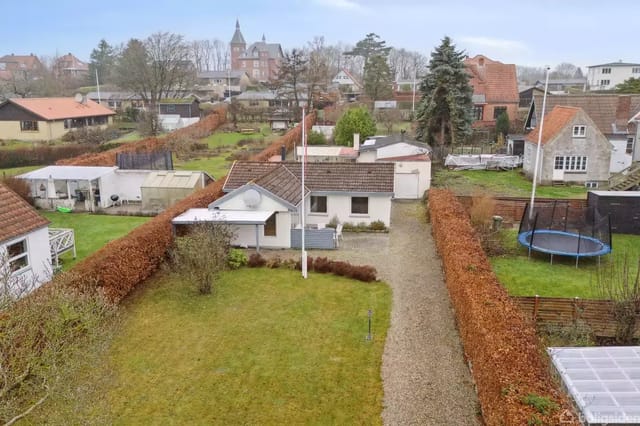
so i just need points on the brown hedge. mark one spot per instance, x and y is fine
(202, 128)
(501, 345)
(289, 140)
(122, 264)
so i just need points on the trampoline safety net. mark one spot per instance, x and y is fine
(557, 227)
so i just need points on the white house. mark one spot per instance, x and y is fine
(608, 76)
(24, 243)
(264, 201)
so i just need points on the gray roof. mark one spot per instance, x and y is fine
(381, 141)
(114, 96)
(274, 50)
(237, 35)
(221, 74)
(260, 96)
(616, 64)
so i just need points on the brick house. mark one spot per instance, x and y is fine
(573, 149)
(495, 90)
(261, 60)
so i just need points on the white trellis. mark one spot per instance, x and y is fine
(61, 240)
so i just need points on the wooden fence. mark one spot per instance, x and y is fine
(512, 208)
(552, 311)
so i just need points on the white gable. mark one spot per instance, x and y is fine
(343, 78)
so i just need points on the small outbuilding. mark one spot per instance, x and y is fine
(623, 207)
(162, 189)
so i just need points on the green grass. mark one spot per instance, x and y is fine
(13, 171)
(510, 183)
(92, 231)
(266, 348)
(523, 276)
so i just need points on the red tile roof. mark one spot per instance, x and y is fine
(17, 217)
(497, 81)
(61, 108)
(343, 177)
(554, 122)
(21, 62)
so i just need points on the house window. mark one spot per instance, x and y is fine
(629, 149)
(359, 205)
(256, 64)
(497, 111)
(579, 131)
(571, 163)
(243, 64)
(318, 204)
(635, 70)
(605, 82)
(477, 112)
(270, 226)
(591, 184)
(606, 70)
(254, 103)
(558, 163)
(29, 126)
(18, 256)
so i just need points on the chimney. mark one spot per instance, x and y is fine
(356, 141)
(623, 111)
(283, 153)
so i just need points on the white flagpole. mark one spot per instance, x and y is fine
(98, 86)
(537, 162)
(303, 261)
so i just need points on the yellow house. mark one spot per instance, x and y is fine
(45, 119)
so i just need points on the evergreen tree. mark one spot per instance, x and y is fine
(444, 112)
(631, 85)
(103, 59)
(354, 120)
(502, 124)
(371, 46)
(378, 80)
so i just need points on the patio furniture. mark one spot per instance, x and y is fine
(338, 235)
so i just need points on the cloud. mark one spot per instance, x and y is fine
(341, 4)
(496, 44)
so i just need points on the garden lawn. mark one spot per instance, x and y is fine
(267, 347)
(92, 231)
(527, 277)
(510, 183)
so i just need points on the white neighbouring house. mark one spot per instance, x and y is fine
(263, 201)
(608, 76)
(24, 242)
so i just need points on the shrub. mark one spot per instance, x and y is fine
(316, 138)
(274, 262)
(237, 259)
(256, 261)
(542, 404)
(377, 225)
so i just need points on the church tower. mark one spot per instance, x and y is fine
(237, 47)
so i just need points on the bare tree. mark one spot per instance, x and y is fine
(318, 75)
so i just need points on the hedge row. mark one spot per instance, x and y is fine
(43, 154)
(201, 129)
(321, 265)
(117, 268)
(506, 359)
(289, 140)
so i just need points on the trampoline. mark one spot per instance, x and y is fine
(558, 228)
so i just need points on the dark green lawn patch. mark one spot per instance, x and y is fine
(267, 347)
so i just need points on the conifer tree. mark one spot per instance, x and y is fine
(444, 112)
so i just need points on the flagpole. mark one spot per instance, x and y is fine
(303, 261)
(535, 169)
(98, 86)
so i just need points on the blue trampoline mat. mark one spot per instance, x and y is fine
(563, 243)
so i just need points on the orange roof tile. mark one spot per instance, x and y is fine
(61, 108)
(17, 217)
(554, 122)
(497, 81)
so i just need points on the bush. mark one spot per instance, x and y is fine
(256, 261)
(316, 138)
(323, 265)
(237, 259)
(274, 262)
(377, 225)
(40, 155)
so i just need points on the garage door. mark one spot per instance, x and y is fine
(406, 185)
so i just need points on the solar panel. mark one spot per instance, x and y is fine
(604, 382)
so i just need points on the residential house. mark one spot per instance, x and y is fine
(261, 60)
(608, 76)
(188, 107)
(222, 84)
(46, 119)
(24, 241)
(263, 201)
(573, 149)
(564, 85)
(495, 90)
(117, 101)
(612, 114)
(21, 64)
(70, 66)
(349, 86)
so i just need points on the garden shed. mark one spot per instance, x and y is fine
(622, 206)
(162, 189)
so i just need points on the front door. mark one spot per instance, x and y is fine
(558, 169)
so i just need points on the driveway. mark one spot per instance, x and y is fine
(425, 377)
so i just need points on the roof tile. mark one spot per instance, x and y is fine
(61, 108)
(554, 122)
(17, 217)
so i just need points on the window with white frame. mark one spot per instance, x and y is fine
(18, 256)
(318, 204)
(579, 131)
(606, 70)
(571, 163)
(29, 126)
(635, 70)
(359, 205)
(605, 82)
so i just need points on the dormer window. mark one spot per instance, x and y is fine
(579, 131)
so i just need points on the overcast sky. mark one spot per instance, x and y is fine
(523, 32)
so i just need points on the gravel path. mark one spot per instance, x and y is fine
(426, 380)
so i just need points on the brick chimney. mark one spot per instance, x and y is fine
(356, 141)
(623, 112)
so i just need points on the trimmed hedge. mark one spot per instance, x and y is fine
(201, 129)
(506, 359)
(43, 154)
(118, 267)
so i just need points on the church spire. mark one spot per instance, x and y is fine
(263, 38)
(237, 35)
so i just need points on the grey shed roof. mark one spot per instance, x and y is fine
(68, 173)
(172, 179)
(381, 141)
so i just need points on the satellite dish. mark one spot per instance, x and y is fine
(78, 98)
(251, 198)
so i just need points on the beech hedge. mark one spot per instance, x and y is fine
(501, 345)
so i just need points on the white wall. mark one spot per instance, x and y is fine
(39, 254)
(340, 206)
(245, 235)
(618, 75)
(327, 131)
(125, 183)
(420, 168)
(620, 160)
(366, 157)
